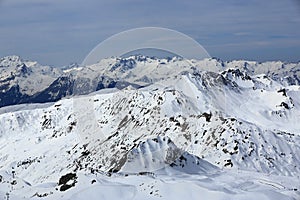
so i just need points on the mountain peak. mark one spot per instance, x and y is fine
(9, 61)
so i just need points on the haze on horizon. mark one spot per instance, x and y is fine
(61, 32)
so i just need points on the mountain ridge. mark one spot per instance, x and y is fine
(29, 82)
(222, 132)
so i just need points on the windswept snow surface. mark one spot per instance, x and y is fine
(189, 132)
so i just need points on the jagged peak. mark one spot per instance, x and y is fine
(9, 61)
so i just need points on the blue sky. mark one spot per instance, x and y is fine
(58, 32)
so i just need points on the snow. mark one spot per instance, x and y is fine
(191, 133)
(30, 76)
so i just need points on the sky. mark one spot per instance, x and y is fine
(60, 32)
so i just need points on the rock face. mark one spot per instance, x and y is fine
(151, 120)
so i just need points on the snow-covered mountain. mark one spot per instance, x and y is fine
(24, 81)
(154, 128)
(20, 80)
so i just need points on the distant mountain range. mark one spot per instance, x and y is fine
(24, 81)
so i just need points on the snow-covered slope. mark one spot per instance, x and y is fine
(225, 133)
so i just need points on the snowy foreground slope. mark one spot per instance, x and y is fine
(193, 129)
